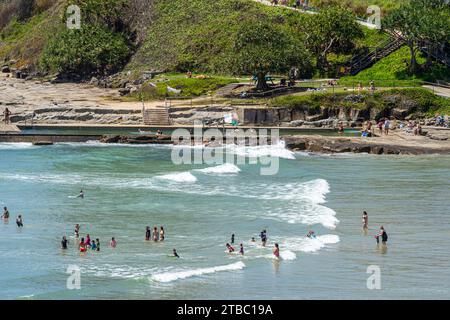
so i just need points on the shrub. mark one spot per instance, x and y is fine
(90, 50)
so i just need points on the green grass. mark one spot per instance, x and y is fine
(190, 87)
(423, 100)
(393, 70)
(25, 41)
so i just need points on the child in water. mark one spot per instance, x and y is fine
(97, 244)
(113, 242)
(241, 250)
(93, 245)
(77, 230)
(230, 248)
(82, 245)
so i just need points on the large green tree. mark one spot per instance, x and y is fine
(333, 30)
(420, 23)
(260, 48)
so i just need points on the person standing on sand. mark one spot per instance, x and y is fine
(387, 125)
(380, 127)
(6, 115)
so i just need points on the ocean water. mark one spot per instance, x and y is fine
(130, 187)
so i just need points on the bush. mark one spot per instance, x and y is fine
(90, 50)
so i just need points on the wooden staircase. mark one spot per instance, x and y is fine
(157, 116)
(366, 60)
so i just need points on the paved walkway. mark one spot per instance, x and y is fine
(440, 91)
(8, 128)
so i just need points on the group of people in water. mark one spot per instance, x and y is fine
(5, 217)
(381, 233)
(86, 243)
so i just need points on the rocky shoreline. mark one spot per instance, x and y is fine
(393, 145)
(330, 145)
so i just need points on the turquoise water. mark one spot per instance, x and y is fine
(130, 187)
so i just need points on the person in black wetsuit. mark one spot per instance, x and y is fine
(148, 233)
(232, 238)
(263, 236)
(175, 253)
(64, 243)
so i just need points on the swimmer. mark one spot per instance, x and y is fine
(232, 238)
(365, 220)
(93, 245)
(384, 236)
(253, 239)
(113, 242)
(276, 251)
(311, 234)
(97, 244)
(263, 236)
(82, 245)
(161, 234)
(64, 243)
(19, 221)
(147, 233)
(241, 250)
(155, 234)
(77, 230)
(175, 254)
(230, 248)
(5, 215)
(81, 195)
(88, 240)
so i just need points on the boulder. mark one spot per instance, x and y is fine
(6, 69)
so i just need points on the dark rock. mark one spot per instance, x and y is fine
(124, 91)
(6, 69)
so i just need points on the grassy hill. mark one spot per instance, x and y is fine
(179, 35)
(394, 68)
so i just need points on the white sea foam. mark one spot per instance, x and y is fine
(277, 151)
(221, 169)
(16, 146)
(173, 276)
(179, 177)
(307, 245)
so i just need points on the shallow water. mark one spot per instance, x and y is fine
(200, 206)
